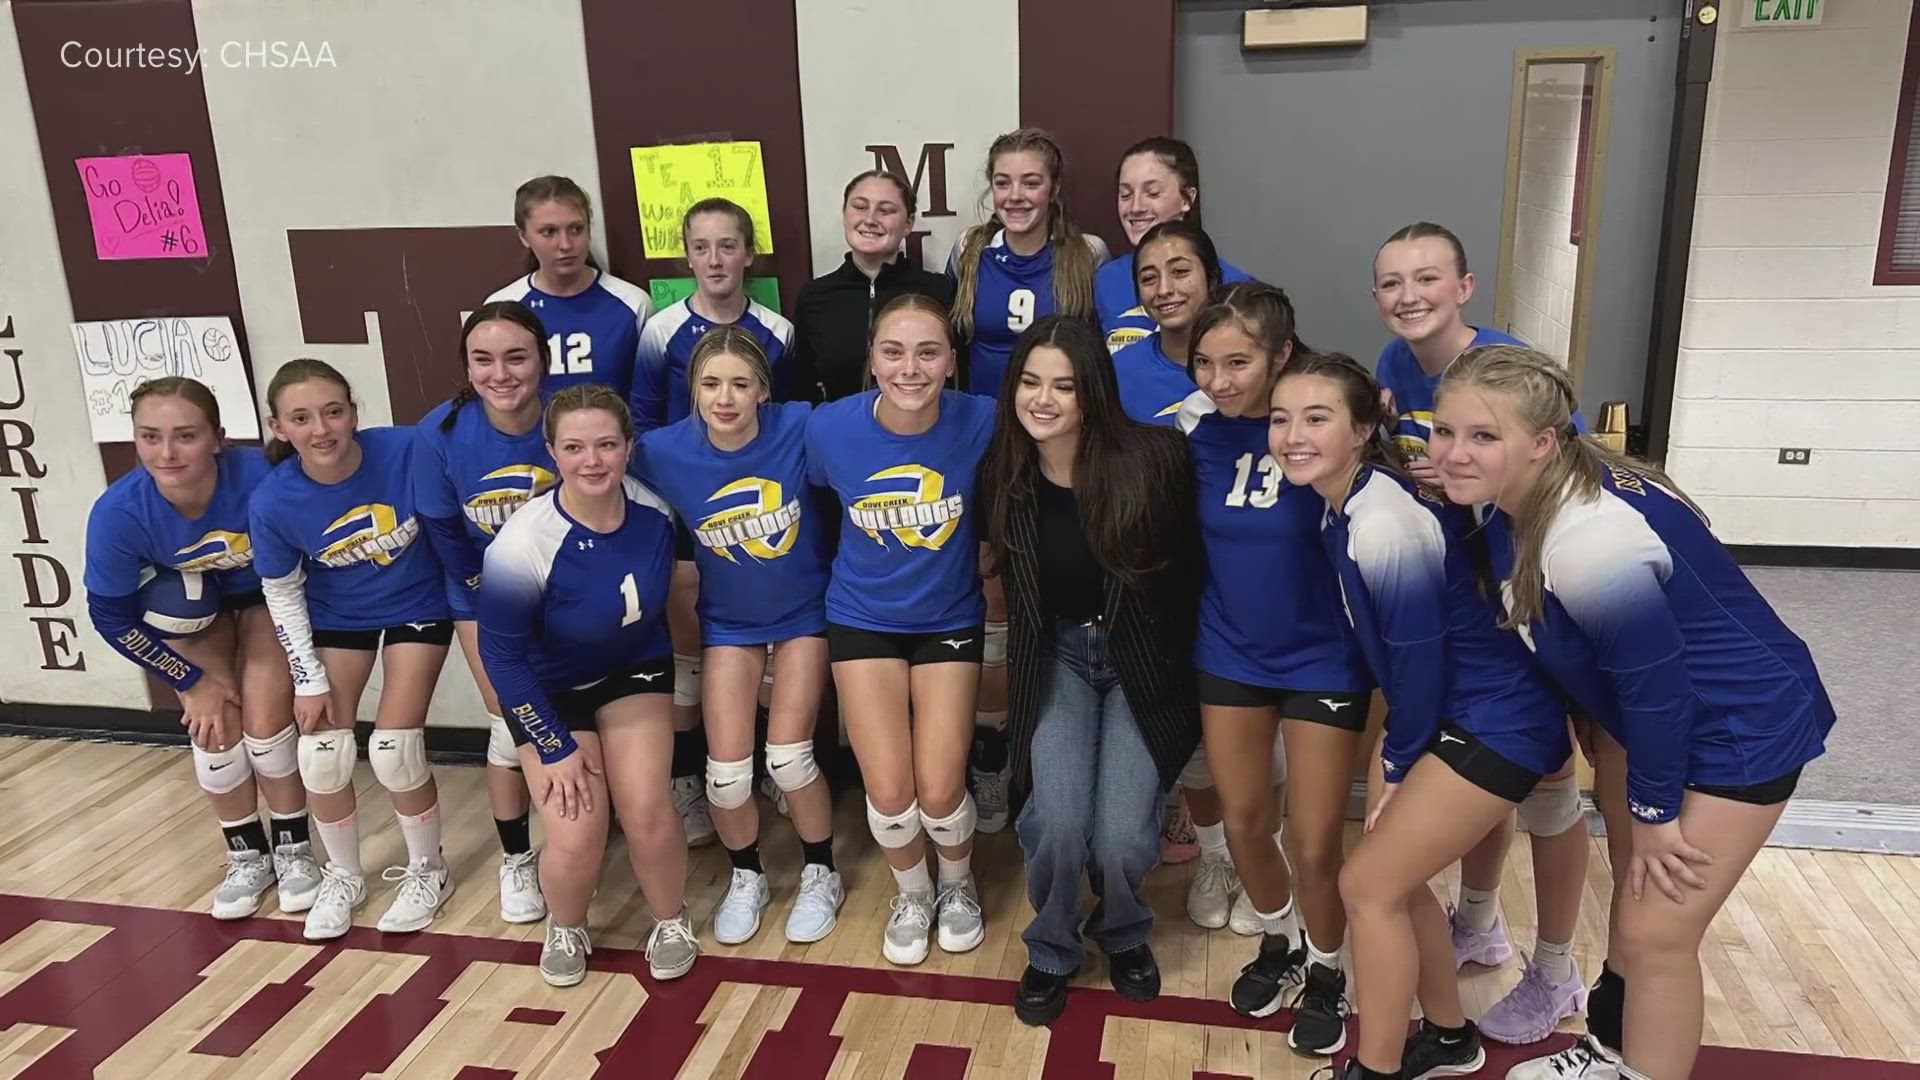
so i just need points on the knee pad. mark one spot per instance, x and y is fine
(275, 756)
(221, 771)
(1552, 807)
(326, 761)
(954, 829)
(399, 758)
(993, 650)
(895, 831)
(686, 679)
(500, 748)
(729, 783)
(792, 765)
(1197, 774)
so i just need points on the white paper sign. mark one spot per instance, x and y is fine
(118, 355)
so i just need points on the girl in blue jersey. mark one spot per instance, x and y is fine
(736, 472)
(904, 611)
(1472, 728)
(348, 580)
(1177, 273)
(477, 459)
(593, 320)
(1278, 656)
(1706, 706)
(1159, 181)
(571, 604)
(184, 510)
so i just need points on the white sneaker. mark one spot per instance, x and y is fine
(958, 910)
(690, 802)
(299, 877)
(331, 915)
(989, 799)
(423, 888)
(1584, 1060)
(520, 898)
(816, 906)
(1213, 889)
(249, 876)
(737, 918)
(563, 960)
(905, 941)
(1243, 920)
(672, 947)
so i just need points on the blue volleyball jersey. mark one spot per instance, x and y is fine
(761, 549)
(563, 606)
(592, 336)
(359, 541)
(661, 394)
(1116, 301)
(1152, 385)
(1431, 639)
(1270, 610)
(1654, 631)
(909, 558)
(1012, 291)
(466, 483)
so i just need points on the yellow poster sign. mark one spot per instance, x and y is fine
(668, 179)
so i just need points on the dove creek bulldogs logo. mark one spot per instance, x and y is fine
(924, 516)
(377, 536)
(763, 528)
(217, 550)
(503, 491)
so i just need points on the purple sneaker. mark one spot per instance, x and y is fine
(1534, 1007)
(1471, 946)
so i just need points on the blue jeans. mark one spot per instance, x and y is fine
(1094, 810)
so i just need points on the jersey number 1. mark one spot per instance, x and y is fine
(630, 590)
(572, 354)
(1269, 492)
(1019, 309)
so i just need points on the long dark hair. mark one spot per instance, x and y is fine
(1263, 312)
(1178, 157)
(512, 311)
(1122, 471)
(1362, 396)
(1187, 231)
(542, 189)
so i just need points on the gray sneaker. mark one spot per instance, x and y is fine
(563, 961)
(905, 942)
(961, 928)
(816, 906)
(672, 948)
(249, 875)
(299, 876)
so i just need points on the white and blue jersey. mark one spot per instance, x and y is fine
(1432, 641)
(466, 483)
(1270, 610)
(1116, 301)
(1414, 390)
(1655, 632)
(760, 544)
(592, 336)
(133, 527)
(358, 541)
(909, 559)
(661, 394)
(562, 607)
(1152, 384)
(1011, 292)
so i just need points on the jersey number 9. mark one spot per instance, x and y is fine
(570, 354)
(1019, 309)
(1241, 494)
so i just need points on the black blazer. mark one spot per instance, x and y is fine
(1150, 634)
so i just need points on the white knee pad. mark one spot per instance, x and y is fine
(729, 783)
(500, 749)
(1197, 774)
(686, 680)
(993, 650)
(275, 756)
(792, 765)
(399, 758)
(898, 830)
(326, 761)
(221, 771)
(1552, 807)
(954, 829)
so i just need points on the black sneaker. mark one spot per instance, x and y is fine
(1261, 985)
(1320, 1016)
(1134, 973)
(1430, 1052)
(1041, 997)
(1352, 1070)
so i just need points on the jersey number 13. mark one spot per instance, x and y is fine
(1244, 492)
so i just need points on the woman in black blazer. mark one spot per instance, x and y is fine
(1090, 522)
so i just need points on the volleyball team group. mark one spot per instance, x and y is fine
(1081, 530)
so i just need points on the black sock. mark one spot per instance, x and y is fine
(291, 829)
(1607, 1008)
(746, 858)
(819, 851)
(1376, 1074)
(516, 834)
(1450, 1034)
(249, 835)
(689, 753)
(989, 749)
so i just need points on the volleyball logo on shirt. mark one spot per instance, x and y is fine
(217, 550)
(1414, 446)
(764, 527)
(377, 536)
(1122, 336)
(923, 516)
(503, 491)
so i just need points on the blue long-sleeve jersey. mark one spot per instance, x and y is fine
(1414, 390)
(1116, 301)
(661, 394)
(466, 483)
(592, 335)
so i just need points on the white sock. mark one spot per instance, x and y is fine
(915, 879)
(422, 835)
(342, 841)
(1325, 959)
(1477, 910)
(952, 870)
(1213, 841)
(1284, 923)
(1554, 959)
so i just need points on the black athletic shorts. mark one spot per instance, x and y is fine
(1342, 709)
(425, 632)
(965, 645)
(1777, 790)
(579, 707)
(1483, 766)
(240, 601)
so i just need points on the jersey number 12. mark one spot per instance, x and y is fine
(572, 354)
(1241, 494)
(630, 590)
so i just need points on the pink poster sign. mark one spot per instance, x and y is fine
(143, 206)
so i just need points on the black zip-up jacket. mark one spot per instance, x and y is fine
(831, 320)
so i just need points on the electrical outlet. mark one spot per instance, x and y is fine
(1795, 455)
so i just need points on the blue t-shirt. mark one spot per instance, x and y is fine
(1270, 610)
(1116, 301)
(909, 558)
(760, 544)
(591, 335)
(466, 483)
(133, 527)
(359, 540)
(1414, 390)
(563, 606)
(1152, 385)
(661, 394)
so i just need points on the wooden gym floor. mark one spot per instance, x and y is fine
(109, 967)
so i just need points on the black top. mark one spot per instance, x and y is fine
(831, 320)
(1072, 583)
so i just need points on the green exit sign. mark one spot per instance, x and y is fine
(1784, 12)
